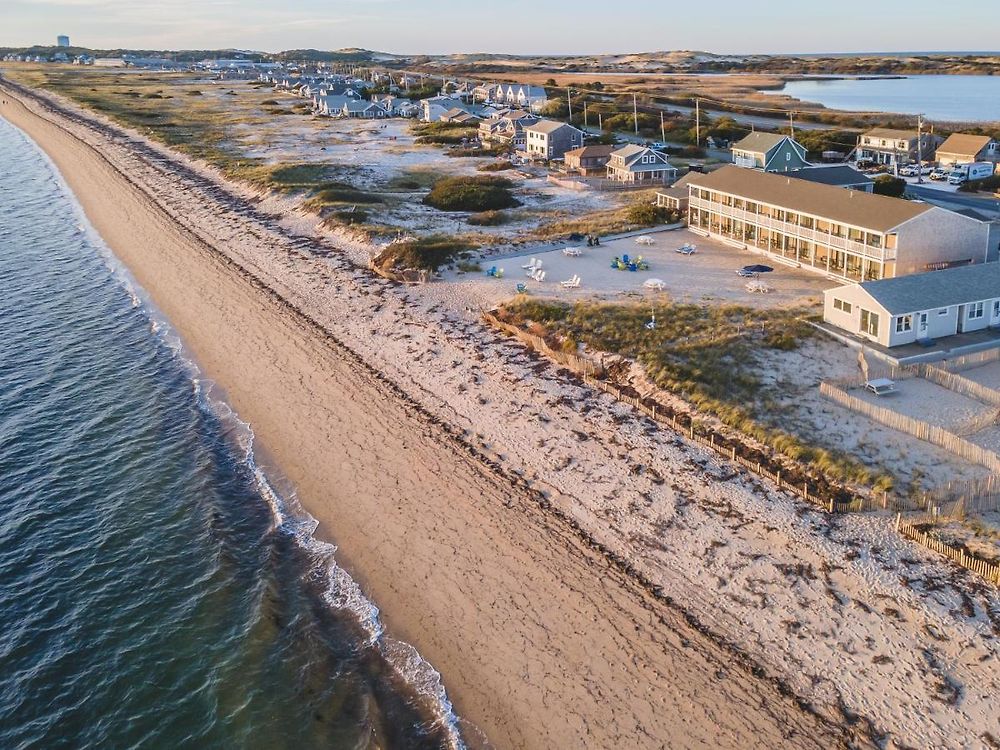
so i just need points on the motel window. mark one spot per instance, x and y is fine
(839, 304)
(996, 309)
(943, 311)
(975, 311)
(904, 323)
(869, 322)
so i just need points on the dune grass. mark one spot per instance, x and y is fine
(712, 357)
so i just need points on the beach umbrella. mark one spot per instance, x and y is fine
(757, 269)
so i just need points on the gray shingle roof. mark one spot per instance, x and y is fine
(935, 289)
(759, 142)
(548, 126)
(857, 208)
(838, 175)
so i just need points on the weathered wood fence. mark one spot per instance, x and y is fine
(574, 362)
(915, 427)
(988, 570)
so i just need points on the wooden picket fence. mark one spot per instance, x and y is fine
(578, 364)
(958, 383)
(988, 570)
(915, 427)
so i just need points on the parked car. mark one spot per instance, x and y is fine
(910, 170)
(941, 173)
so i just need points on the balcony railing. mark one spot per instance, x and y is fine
(816, 236)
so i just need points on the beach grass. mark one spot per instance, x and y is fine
(711, 356)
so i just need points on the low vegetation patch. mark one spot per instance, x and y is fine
(489, 219)
(709, 356)
(331, 193)
(496, 166)
(485, 193)
(430, 252)
(649, 214)
(443, 133)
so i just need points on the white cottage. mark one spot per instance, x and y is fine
(919, 307)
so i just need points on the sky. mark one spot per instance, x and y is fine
(510, 26)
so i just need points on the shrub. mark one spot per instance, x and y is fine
(646, 214)
(358, 216)
(991, 183)
(429, 252)
(339, 192)
(886, 184)
(489, 219)
(471, 194)
(497, 166)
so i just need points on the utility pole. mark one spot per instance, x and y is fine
(791, 122)
(920, 149)
(635, 113)
(585, 113)
(663, 133)
(600, 122)
(569, 105)
(697, 122)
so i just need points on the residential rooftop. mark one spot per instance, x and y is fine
(836, 174)
(891, 133)
(964, 143)
(547, 126)
(759, 143)
(856, 208)
(936, 289)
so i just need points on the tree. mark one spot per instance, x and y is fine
(886, 184)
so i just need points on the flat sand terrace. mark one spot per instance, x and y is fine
(822, 603)
(706, 277)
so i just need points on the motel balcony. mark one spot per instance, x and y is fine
(817, 236)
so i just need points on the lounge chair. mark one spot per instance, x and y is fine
(532, 264)
(572, 252)
(539, 276)
(522, 288)
(686, 249)
(572, 283)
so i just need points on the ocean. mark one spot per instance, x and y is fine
(155, 590)
(945, 98)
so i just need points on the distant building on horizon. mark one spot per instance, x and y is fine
(62, 40)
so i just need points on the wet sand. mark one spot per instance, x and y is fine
(541, 641)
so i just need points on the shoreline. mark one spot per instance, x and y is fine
(557, 465)
(518, 728)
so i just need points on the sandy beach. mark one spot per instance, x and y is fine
(511, 525)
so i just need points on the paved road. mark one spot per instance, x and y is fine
(758, 121)
(989, 206)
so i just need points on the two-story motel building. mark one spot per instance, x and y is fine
(847, 234)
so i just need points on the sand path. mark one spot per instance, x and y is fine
(541, 643)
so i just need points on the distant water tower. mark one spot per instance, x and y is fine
(62, 40)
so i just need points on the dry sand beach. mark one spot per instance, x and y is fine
(513, 526)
